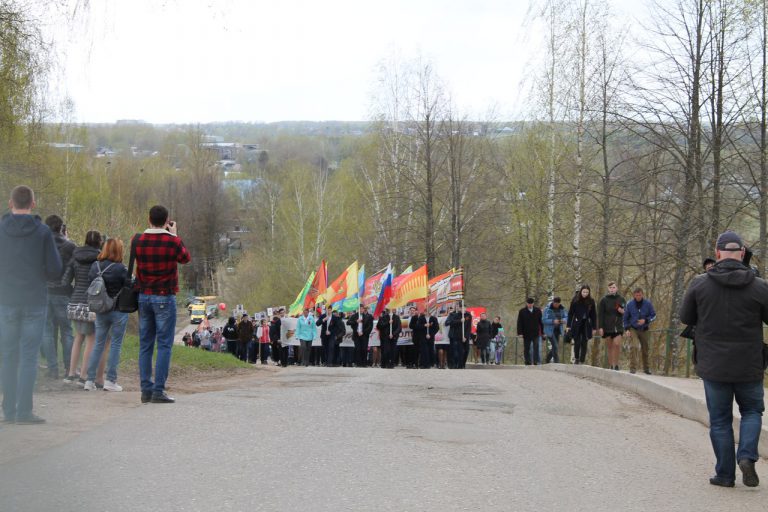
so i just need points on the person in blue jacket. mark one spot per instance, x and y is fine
(555, 319)
(638, 316)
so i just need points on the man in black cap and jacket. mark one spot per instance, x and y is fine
(530, 327)
(729, 305)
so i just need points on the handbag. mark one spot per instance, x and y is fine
(568, 337)
(127, 300)
(80, 313)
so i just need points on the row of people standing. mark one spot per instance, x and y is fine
(97, 336)
(612, 318)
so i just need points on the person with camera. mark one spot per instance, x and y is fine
(729, 305)
(159, 251)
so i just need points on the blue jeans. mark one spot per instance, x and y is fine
(749, 397)
(112, 324)
(21, 332)
(57, 323)
(157, 323)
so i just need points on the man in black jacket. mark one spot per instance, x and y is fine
(57, 325)
(455, 324)
(396, 329)
(418, 326)
(328, 323)
(362, 325)
(530, 327)
(28, 260)
(729, 305)
(274, 339)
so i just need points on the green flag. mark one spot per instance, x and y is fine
(298, 305)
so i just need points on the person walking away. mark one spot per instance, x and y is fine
(581, 320)
(231, 336)
(554, 319)
(159, 251)
(729, 306)
(305, 332)
(483, 339)
(77, 310)
(530, 327)
(28, 260)
(610, 320)
(57, 325)
(244, 335)
(638, 316)
(111, 324)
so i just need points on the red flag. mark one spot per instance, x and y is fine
(318, 287)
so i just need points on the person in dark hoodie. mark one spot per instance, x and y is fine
(230, 335)
(58, 328)
(530, 327)
(729, 305)
(77, 310)
(28, 260)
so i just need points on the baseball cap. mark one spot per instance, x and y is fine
(729, 241)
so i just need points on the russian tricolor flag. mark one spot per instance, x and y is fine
(385, 295)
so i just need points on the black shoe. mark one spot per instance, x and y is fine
(161, 398)
(30, 420)
(748, 473)
(722, 482)
(146, 397)
(632, 370)
(647, 371)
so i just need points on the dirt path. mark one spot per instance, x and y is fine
(70, 411)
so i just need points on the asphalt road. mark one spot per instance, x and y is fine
(334, 439)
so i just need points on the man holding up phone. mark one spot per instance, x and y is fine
(158, 252)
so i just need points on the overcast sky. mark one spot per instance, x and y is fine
(200, 61)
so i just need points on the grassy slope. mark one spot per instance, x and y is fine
(182, 358)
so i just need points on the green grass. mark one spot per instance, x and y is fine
(183, 358)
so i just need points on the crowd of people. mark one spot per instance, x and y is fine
(261, 340)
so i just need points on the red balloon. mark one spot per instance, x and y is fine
(222, 306)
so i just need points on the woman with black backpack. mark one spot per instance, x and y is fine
(111, 323)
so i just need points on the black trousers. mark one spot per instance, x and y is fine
(388, 353)
(411, 355)
(426, 353)
(580, 347)
(275, 351)
(530, 346)
(361, 351)
(284, 355)
(263, 352)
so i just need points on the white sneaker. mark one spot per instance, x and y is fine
(112, 386)
(89, 386)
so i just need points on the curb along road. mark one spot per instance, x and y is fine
(664, 391)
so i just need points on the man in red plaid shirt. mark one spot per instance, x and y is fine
(158, 252)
